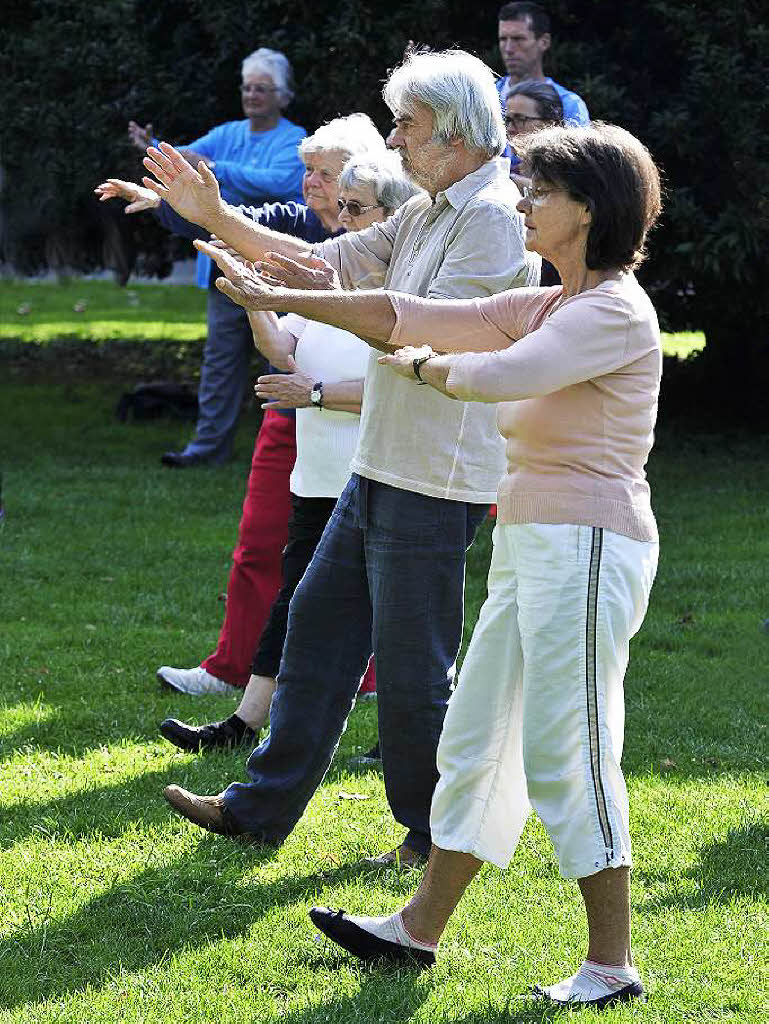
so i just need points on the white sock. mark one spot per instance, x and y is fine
(592, 981)
(391, 929)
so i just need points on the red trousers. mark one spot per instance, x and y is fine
(255, 578)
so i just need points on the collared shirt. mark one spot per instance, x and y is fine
(465, 243)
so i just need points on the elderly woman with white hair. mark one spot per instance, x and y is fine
(255, 577)
(323, 381)
(255, 160)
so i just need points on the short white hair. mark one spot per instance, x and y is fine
(460, 91)
(383, 174)
(351, 135)
(275, 64)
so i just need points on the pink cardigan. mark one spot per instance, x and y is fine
(577, 382)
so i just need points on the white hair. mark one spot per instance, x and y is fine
(460, 91)
(385, 176)
(351, 135)
(274, 64)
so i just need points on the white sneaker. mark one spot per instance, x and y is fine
(194, 681)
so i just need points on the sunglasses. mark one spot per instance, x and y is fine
(354, 208)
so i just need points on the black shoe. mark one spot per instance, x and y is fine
(216, 736)
(181, 460)
(367, 760)
(345, 933)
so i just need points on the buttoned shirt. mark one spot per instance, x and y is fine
(466, 242)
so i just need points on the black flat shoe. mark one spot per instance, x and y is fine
(197, 738)
(345, 933)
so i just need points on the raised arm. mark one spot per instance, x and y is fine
(195, 196)
(479, 325)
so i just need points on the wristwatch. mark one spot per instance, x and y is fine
(418, 363)
(316, 395)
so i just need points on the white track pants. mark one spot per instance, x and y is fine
(537, 718)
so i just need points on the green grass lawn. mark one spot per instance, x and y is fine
(116, 911)
(43, 311)
(100, 311)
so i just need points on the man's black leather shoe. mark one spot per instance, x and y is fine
(180, 460)
(216, 736)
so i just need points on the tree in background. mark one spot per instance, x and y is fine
(687, 78)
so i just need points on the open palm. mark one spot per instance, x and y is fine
(194, 194)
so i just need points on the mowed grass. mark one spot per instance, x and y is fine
(101, 311)
(42, 311)
(116, 911)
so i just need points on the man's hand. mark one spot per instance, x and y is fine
(241, 282)
(137, 197)
(194, 194)
(285, 390)
(306, 272)
(140, 137)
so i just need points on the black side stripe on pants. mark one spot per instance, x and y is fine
(591, 685)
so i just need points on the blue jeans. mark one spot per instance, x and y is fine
(223, 378)
(388, 573)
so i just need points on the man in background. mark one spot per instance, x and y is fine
(524, 39)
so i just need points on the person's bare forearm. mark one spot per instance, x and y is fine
(435, 372)
(343, 395)
(274, 343)
(248, 238)
(368, 314)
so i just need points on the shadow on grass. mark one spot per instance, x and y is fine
(733, 866)
(182, 906)
(137, 923)
(107, 810)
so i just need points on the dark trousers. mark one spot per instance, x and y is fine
(305, 528)
(389, 568)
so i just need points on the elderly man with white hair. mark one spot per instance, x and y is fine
(255, 160)
(390, 566)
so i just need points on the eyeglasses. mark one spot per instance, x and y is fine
(535, 194)
(257, 90)
(520, 120)
(354, 208)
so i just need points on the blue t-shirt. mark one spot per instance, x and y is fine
(251, 167)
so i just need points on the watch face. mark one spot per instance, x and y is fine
(315, 396)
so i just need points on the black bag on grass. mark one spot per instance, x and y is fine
(157, 398)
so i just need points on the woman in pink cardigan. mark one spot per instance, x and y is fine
(537, 717)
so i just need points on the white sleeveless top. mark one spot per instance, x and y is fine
(325, 440)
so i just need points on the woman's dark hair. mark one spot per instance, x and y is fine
(549, 106)
(613, 173)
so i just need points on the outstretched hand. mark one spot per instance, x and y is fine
(194, 194)
(241, 282)
(140, 137)
(305, 271)
(290, 390)
(138, 198)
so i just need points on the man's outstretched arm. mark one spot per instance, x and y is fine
(194, 194)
